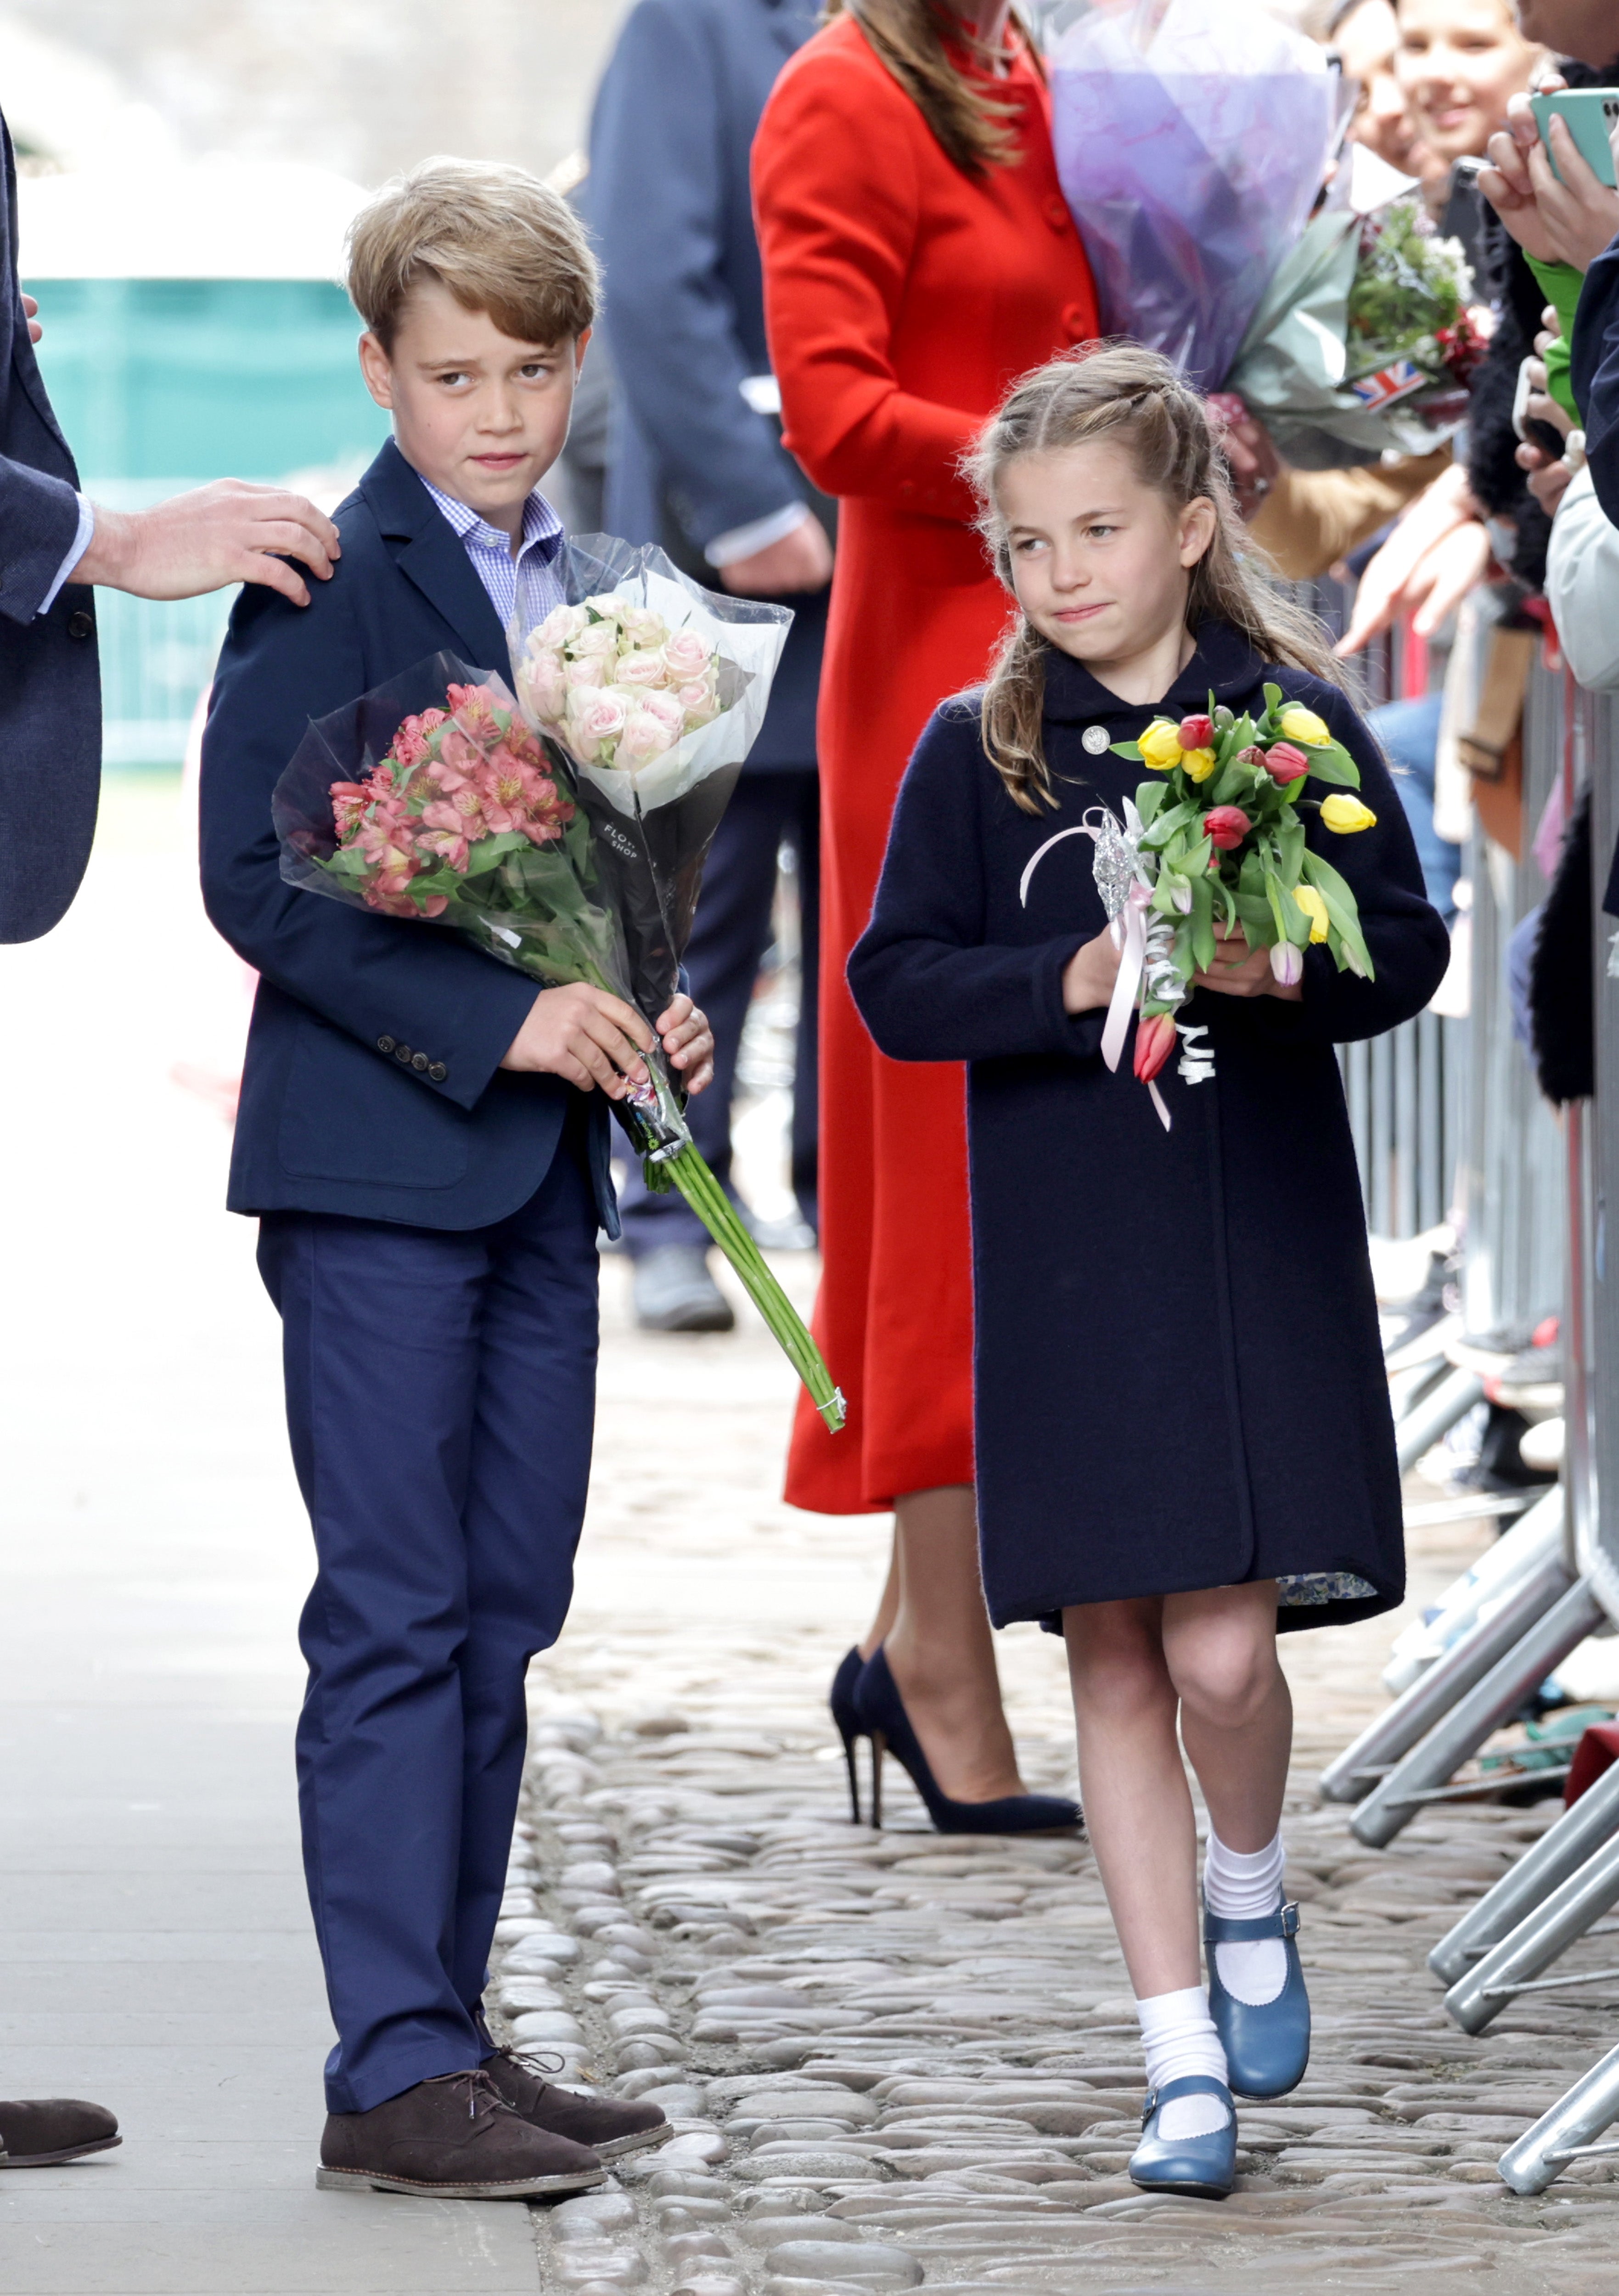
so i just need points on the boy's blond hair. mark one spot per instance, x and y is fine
(500, 240)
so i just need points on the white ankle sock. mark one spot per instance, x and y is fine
(1242, 1886)
(1178, 2037)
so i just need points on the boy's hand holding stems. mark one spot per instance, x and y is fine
(590, 1037)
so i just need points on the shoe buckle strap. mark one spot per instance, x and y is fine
(1289, 1920)
(1150, 2106)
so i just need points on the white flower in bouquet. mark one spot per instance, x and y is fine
(560, 627)
(586, 669)
(544, 677)
(643, 667)
(644, 627)
(700, 703)
(596, 719)
(605, 608)
(644, 737)
(666, 708)
(597, 642)
(687, 655)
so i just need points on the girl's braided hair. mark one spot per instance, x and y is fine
(1120, 391)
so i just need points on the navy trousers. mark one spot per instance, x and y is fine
(775, 805)
(440, 1396)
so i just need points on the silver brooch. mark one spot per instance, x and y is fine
(1094, 739)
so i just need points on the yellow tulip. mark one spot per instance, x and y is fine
(1197, 763)
(1314, 908)
(1346, 814)
(1161, 744)
(1302, 724)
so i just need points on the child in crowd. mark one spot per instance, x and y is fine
(424, 1139)
(1182, 1424)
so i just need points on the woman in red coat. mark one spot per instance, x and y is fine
(919, 256)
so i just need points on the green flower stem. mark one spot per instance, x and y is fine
(690, 1171)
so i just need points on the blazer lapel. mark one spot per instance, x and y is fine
(428, 552)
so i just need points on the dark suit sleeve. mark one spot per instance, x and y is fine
(927, 986)
(656, 198)
(38, 521)
(1594, 375)
(1405, 937)
(418, 984)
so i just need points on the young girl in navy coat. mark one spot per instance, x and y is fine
(1183, 1431)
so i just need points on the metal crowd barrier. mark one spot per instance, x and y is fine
(1534, 1196)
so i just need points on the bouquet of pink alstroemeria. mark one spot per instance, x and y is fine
(1218, 839)
(430, 798)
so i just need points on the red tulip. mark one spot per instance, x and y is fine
(1155, 1040)
(1227, 825)
(1286, 763)
(1197, 734)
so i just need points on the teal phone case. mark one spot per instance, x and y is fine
(1590, 113)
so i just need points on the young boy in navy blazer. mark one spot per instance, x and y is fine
(424, 1140)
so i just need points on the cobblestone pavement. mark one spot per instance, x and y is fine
(896, 2060)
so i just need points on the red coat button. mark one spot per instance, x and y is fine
(1078, 322)
(1057, 213)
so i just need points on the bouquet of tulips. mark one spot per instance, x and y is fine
(432, 798)
(1217, 837)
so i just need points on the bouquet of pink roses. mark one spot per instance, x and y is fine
(430, 798)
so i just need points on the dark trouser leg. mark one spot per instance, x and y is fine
(387, 1382)
(729, 938)
(804, 834)
(531, 1447)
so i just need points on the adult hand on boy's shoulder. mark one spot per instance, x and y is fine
(216, 534)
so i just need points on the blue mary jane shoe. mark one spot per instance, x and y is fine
(1205, 2166)
(1267, 2048)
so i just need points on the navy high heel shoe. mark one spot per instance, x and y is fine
(1267, 2047)
(882, 1717)
(847, 1720)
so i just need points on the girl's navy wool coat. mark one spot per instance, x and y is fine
(1178, 1378)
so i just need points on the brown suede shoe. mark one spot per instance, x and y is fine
(40, 2131)
(608, 2126)
(452, 2138)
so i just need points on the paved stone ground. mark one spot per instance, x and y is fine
(895, 2059)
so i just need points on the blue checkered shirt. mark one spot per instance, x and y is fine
(490, 552)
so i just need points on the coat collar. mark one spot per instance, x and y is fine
(429, 553)
(1224, 662)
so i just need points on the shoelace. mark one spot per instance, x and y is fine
(540, 2062)
(481, 2092)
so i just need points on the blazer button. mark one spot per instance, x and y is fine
(419, 1062)
(402, 1052)
(385, 1044)
(81, 625)
(1056, 213)
(1078, 322)
(437, 1073)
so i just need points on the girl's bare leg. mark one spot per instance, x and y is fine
(1236, 1712)
(1137, 1805)
(940, 1647)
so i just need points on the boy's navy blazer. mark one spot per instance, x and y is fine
(373, 1084)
